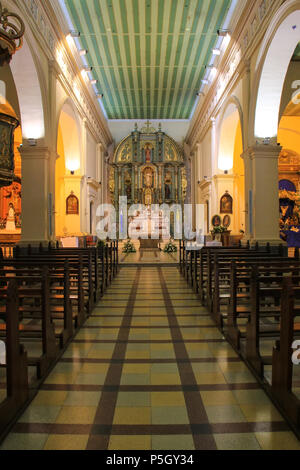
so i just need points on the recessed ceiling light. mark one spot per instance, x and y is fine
(223, 32)
(75, 34)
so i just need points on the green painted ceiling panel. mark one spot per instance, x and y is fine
(148, 56)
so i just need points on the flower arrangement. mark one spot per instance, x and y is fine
(219, 229)
(129, 247)
(170, 247)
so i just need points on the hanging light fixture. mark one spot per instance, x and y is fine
(11, 35)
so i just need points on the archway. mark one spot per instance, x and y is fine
(273, 61)
(67, 173)
(232, 182)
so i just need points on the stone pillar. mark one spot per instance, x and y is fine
(176, 184)
(35, 195)
(248, 191)
(83, 206)
(264, 160)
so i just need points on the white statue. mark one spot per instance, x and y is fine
(10, 223)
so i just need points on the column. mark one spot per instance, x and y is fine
(83, 206)
(264, 162)
(35, 195)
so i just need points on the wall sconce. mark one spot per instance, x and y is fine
(32, 142)
(72, 166)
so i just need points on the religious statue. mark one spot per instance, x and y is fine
(128, 185)
(10, 222)
(148, 177)
(168, 185)
(148, 153)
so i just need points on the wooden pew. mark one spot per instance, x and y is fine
(36, 289)
(283, 353)
(266, 283)
(16, 371)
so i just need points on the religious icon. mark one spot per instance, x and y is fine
(10, 222)
(216, 221)
(148, 153)
(226, 204)
(148, 177)
(226, 221)
(72, 205)
(168, 186)
(128, 185)
(125, 153)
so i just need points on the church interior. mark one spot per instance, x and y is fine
(149, 225)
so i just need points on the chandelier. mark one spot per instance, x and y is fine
(12, 30)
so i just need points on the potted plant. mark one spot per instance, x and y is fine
(170, 247)
(129, 247)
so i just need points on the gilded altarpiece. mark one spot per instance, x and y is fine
(148, 168)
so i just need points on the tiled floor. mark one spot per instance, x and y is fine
(150, 371)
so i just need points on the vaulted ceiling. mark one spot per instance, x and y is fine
(148, 56)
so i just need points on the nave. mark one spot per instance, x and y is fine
(149, 370)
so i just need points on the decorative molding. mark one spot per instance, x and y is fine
(245, 38)
(51, 38)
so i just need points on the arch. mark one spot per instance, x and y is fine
(68, 127)
(30, 83)
(230, 149)
(272, 64)
(231, 118)
(68, 187)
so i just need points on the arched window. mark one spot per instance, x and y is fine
(72, 205)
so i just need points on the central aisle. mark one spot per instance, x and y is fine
(150, 371)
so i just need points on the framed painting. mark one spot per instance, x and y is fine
(226, 204)
(72, 205)
(226, 221)
(216, 221)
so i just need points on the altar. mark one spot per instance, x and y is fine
(148, 169)
(149, 244)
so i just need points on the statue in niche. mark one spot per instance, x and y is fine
(148, 177)
(128, 185)
(168, 186)
(148, 153)
(10, 222)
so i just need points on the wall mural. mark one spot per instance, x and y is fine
(148, 168)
